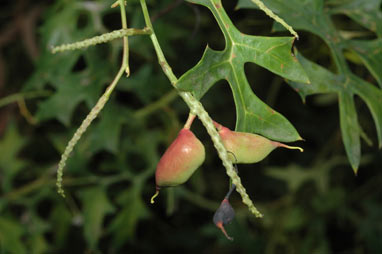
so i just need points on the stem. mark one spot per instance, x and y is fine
(25, 112)
(125, 60)
(161, 103)
(27, 95)
(96, 109)
(197, 199)
(197, 108)
(190, 119)
(47, 181)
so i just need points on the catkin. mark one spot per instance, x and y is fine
(101, 39)
(275, 17)
(77, 135)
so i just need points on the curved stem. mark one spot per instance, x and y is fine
(197, 108)
(26, 95)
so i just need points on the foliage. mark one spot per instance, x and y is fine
(311, 201)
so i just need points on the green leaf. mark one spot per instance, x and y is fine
(10, 145)
(10, 236)
(106, 133)
(367, 13)
(272, 53)
(324, 81)
(300, 14)
(95, 206)
(310, 15)
(141, 84)
(350, 129)
(60, 219)
(124, 225)
(295, 219)
(295, 175)
(370, 52)
(74, 88)
(38, 244)
(56, 70)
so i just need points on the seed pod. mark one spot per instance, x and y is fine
(248, 147)
(179, 162)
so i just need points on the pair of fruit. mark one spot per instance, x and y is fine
(187, 153)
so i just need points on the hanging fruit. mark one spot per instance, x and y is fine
(180, 161)
(248, 147)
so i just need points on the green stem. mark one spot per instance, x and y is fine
(47, 181)
(125, 60)
(198, 200)
(190, 119)
(162, 102)
(197, 108)
(26, 95)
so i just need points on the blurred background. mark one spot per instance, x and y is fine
(312, 202)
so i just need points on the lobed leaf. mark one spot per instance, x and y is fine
(370, 52)
(272, 53)
(367, 13)
(313, 16)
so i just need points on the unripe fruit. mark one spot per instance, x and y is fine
(179, 162)
(248, 147)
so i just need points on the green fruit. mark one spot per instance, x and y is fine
(247, 147)
(179, 162)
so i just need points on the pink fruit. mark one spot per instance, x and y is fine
(248, 147)
(179, 162)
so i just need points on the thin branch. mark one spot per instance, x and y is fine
(162, 102)
(26, 95)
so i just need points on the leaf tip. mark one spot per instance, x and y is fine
(299, 138)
